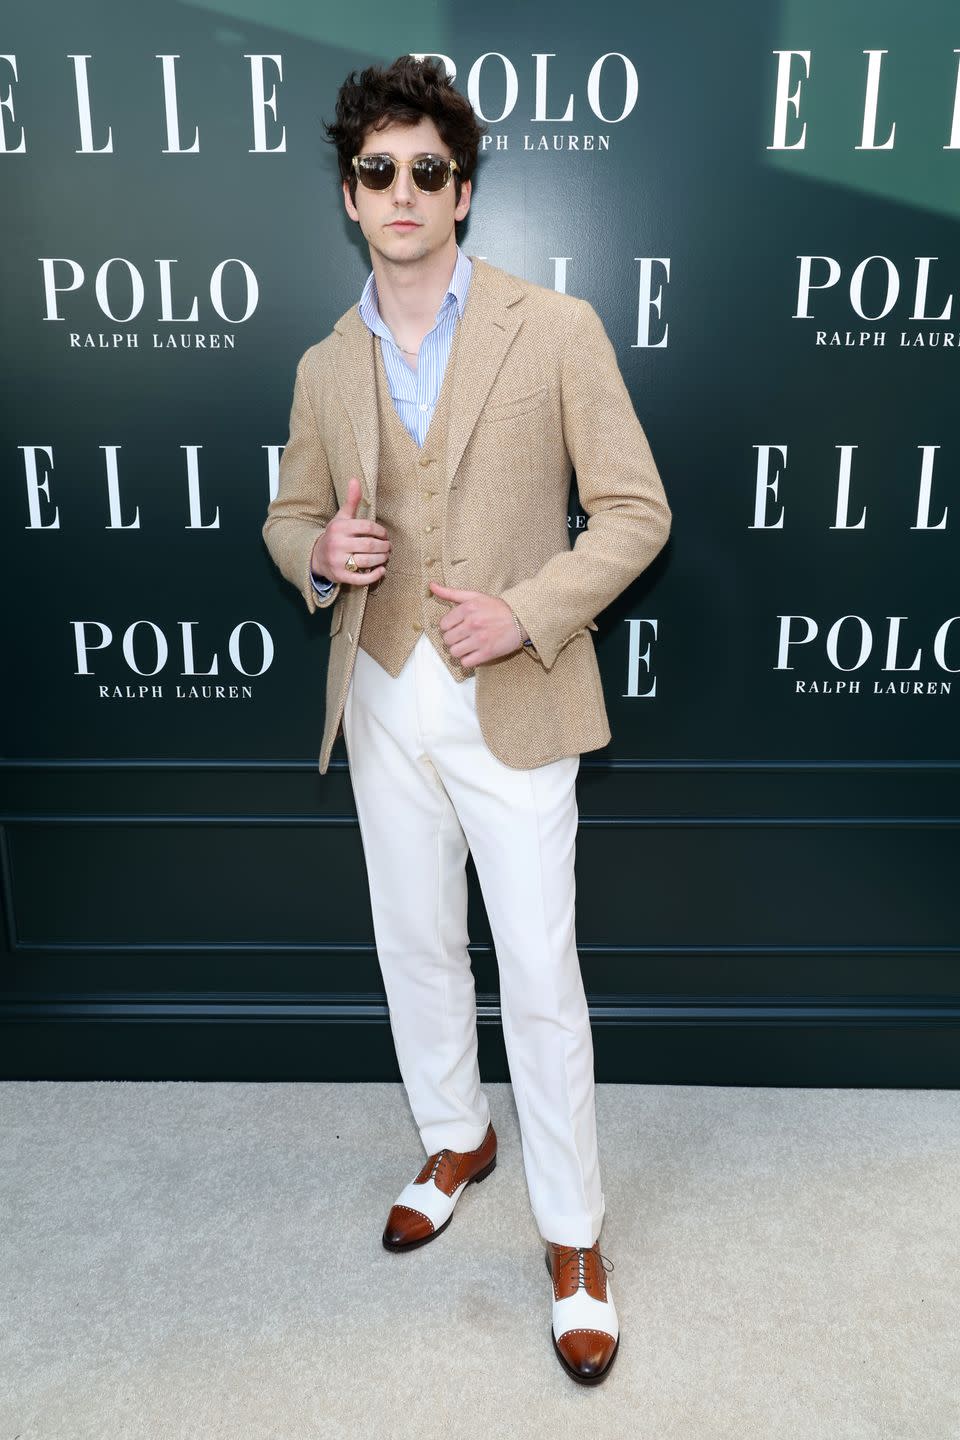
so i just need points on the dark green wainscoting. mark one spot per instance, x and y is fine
(738, 924)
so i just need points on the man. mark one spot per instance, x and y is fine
(423, 495)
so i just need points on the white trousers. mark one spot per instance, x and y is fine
(426, 788)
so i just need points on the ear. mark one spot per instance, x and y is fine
(351, 209)
(463, 204)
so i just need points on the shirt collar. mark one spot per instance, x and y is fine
(458, 287)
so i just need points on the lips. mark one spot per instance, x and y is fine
(403, 225)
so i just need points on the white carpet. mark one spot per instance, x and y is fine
(204, 1260)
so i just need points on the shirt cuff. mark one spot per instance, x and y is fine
(322, 587)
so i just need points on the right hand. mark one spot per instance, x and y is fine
(366, 540)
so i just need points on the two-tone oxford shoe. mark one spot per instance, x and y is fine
(584, 1326)
(424, 1208)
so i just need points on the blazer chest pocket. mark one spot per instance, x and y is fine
(519, 405)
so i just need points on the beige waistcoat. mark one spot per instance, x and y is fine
(411, 505)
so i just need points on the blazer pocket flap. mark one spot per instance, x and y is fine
(518, 405)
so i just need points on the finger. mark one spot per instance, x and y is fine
(369, 545)
(367, 577)
(354, 492)
(365, 561)
(364, 527)
(472, 646)
(448, 593)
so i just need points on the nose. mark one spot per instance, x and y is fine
(404, 190)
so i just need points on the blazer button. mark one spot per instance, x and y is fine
(424, 462)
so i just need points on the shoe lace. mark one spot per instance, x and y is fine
(568, 1253)
(436, 1162)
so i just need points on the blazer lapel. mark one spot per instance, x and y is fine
(357, 382)
(491, 319)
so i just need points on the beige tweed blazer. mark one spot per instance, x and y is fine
(536, 393)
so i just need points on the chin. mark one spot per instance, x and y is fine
(408, 246)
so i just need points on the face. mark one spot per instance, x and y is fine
(433, 215)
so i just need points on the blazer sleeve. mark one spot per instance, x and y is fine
(305, 501)
(619, 487)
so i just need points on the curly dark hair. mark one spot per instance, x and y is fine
(403, 92)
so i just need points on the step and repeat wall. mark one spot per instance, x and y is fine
(762, 206)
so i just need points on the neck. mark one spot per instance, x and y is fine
(409, 296)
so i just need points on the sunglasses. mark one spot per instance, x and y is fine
(430, 173)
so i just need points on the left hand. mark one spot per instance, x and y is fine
(479, 627)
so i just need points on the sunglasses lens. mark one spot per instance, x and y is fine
(376, 171)
(430, 173)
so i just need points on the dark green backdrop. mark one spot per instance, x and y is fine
(761, 203)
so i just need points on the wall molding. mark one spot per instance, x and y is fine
(586, 822)
(625, 1010)
(586, 763)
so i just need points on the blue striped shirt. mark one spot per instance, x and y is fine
(415, 392)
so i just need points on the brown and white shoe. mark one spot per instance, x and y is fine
(424, 1208)
(584, 1328)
